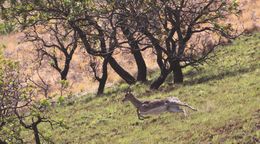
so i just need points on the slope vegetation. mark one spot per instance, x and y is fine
(226, 92)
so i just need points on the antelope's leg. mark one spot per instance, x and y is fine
(140, 117)
(184, 112)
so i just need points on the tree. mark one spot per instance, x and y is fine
(134, 44)
(57, 42)
(98, 33)
(43, 86)
(92, 22)
(180, 30)
(96, 69)
(19, 105)
(11, 98)
(34, 116)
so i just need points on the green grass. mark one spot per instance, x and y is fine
(226, 93)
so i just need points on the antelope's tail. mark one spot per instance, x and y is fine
(176, 101)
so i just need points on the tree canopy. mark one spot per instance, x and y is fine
(180, 32)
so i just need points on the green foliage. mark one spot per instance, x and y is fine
(18, 107)
(6, 28)
(61, 100)
(26, 10)
(64, 83)
(10, 130)
(45, 102)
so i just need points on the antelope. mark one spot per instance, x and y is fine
(170, 104)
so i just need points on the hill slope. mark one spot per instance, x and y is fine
(79, 72)
(226, 92)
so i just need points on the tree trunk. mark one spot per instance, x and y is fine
(135, 49)
(160, 80)
(65, 70)
(36, 134)
(177, 72)
(164, 71)
(141, 66)
(101, 86)
(63, 76)
(102, 81)
(121, 72)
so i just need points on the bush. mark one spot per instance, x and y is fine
(6, 28)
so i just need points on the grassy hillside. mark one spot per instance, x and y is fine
(226, 92)
(79, 72)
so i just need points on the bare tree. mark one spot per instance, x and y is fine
(43, 86)
(100, 34)
(93, 23)
(55, 42)
(171, 27)
(181, 32)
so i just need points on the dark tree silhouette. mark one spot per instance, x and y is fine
(135, 49)
(106, 40)
(57, 43)
(182, 32)
(96, 69)
(96, 28)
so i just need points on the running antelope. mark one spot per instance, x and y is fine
(170, 104)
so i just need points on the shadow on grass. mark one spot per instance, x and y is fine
(122, 86)
(219, 76)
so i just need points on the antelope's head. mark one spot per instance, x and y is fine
(128, 96)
